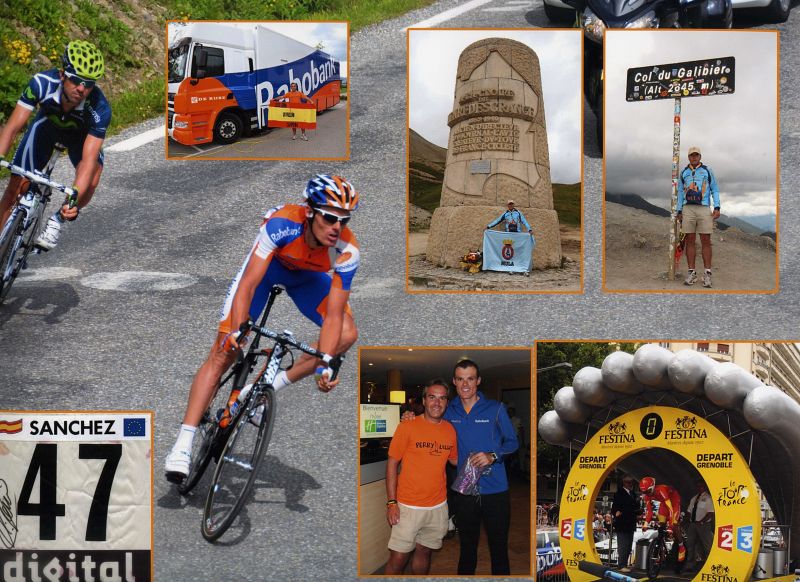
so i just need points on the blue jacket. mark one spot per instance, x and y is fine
(704, 179)
(486, 429)
(510, 216)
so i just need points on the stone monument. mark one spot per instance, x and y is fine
(497, 151)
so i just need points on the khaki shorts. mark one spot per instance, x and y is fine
(697, 218)
(425, 527)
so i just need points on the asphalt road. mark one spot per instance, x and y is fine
(78, 334)
(327, 141)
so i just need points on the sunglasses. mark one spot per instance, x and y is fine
(75, 79)
(331, 218)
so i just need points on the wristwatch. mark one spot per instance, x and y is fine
(494, 457)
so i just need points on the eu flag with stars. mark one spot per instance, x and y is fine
(134, 427)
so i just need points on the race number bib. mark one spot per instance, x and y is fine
(75, 497)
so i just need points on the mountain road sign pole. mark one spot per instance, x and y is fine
(676, 158)
(701, 78)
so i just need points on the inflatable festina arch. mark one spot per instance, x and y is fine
(677, 417)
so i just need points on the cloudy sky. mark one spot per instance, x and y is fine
(433, 60)
(333, 36)
(737, 133)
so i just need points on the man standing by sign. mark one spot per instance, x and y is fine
(417, 504)
(624, 509)
(700, 531)
(293, 97)
(512, 218)
(697, 187)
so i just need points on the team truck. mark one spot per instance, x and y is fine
(222, 78)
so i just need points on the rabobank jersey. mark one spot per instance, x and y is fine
(282, 237)
(92, 115)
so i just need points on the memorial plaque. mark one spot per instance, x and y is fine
(481, 167)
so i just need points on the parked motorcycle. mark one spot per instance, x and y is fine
(594, 16)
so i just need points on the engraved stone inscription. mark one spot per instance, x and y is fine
(486, 136)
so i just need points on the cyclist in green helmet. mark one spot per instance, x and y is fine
(73, 112)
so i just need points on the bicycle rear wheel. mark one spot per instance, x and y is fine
(9, 246)
(655, 558)
(238, 464)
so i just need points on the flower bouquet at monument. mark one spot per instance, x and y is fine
(472, 261)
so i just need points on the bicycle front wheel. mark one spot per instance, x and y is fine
(9, 246)
(237, 467)
(655, 558)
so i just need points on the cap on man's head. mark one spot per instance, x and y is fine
(694, 150)
(509, 202)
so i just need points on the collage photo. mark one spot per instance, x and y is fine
(434, 289)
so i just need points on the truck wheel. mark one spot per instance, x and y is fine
(228, 128)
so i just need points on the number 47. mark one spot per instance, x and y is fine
(44, 463)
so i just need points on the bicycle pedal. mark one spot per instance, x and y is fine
(39, 249)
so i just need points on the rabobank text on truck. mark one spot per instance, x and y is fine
(222, 77)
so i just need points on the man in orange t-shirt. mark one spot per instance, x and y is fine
(296, 96)
(417, 501)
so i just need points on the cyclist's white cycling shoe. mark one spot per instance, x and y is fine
(49, 237)
(177, 465)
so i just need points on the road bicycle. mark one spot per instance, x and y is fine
(659, 554)
(239, 446)
(17, 239)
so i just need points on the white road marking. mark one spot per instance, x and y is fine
(378, 288)
(48, 274)
(448, 14)
(137, 281)
(201, 151)
(138, 140)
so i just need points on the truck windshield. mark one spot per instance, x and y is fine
(177, 63)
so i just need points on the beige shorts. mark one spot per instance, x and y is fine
(425, 527)
(697, 218)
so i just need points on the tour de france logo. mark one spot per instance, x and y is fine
(508, 249)
(733, 494)
(577, 492)
(651, 426)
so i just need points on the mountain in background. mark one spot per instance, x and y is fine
(752, 224)
(426, 163)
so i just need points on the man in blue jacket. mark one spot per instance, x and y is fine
(511, 219)
(697, 192)
(485, 435)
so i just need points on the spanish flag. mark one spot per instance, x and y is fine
(303, 115)
(10, 427)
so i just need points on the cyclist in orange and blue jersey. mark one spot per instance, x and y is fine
(73, 112)
(296, 247)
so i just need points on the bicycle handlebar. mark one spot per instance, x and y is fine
(287, 339)
(41, 179)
